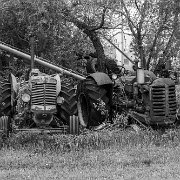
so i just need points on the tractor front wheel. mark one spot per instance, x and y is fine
(4, 126)
(69, 106)
(74, 125)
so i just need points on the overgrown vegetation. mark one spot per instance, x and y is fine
(91, 140)
(95, 155)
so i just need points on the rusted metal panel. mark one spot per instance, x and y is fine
(101, 78)
(163, 81)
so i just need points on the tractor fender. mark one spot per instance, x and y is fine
(101, 78)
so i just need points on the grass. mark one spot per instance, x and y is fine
(106, 154)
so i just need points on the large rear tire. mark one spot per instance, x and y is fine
(89, 95)
(69, 106)
(5, 98)
(5, 108)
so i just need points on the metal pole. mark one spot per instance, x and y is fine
(122, 38)
(32, 51)
(122, 42)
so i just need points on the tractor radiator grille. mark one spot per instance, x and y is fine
(43, 94)
(163, 100)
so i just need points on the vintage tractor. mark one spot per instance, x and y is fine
(142, 98)
(43, 103)
(146, 99)
(49, 102)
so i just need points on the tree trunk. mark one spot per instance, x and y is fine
(91, 32)
(141, 52)
(142, 57)
(99, 49)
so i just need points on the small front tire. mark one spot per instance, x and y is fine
(74, 125)
(5, 126)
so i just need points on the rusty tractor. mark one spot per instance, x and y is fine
(143, 98)
(48, 103)
(147, 100)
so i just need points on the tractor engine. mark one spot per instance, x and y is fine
(151, 101)
(38, 98)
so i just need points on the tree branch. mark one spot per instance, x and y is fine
(117, 49)
(142, 13)
(175, 26)
(102, 21)
(155, 39)
(69, 17)
(130, 22)
(137, 5)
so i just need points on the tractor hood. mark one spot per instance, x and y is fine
(149, 77)
(43, 78)
(162, 82)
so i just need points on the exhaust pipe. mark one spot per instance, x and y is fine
(32, 51)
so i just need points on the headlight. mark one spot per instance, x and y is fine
(26, 98)
(60, 100)
(114, 76)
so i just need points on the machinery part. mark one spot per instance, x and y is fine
(112, 66)
(38, 90)
(89, 95)
(74, 125)
(69, 106)
(163, 101)
(91, 65)
(5, 98)
(5, 126)
(83, 110)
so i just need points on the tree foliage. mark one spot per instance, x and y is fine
(56, 39)
(64, 28)
(153, 25)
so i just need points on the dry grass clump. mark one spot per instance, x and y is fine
(95, 140)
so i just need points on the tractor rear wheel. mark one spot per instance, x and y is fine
(5, 108)
(69, 106)
(92, 95)
(5, 98)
